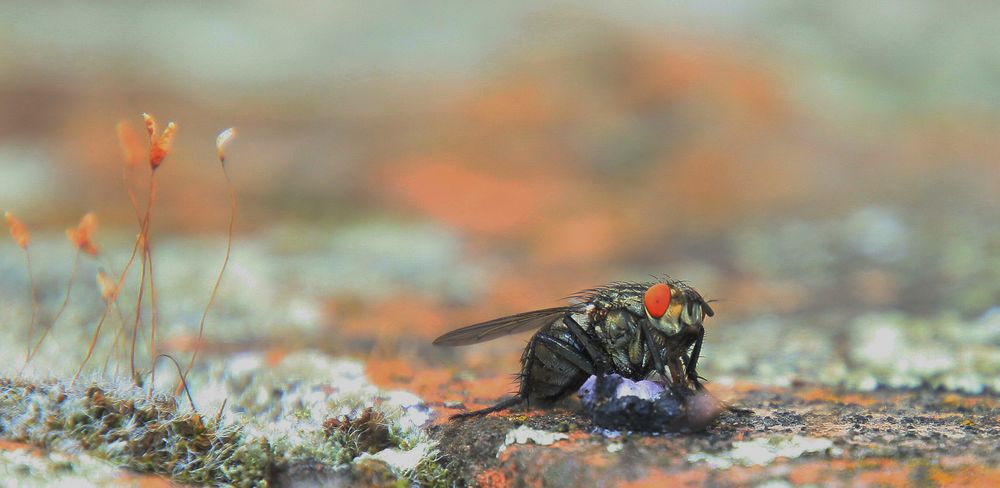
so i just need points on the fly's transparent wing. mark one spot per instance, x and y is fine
(512, 324)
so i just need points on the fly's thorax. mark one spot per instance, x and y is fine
(617, 325)
(618, 332)
(617, 297)
(670, 307)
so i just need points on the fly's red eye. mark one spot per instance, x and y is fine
(657, 300)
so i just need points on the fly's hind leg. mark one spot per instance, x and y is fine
(601, 363)
(501, 405)
(559, 348)
(597, 356)
(565, 351)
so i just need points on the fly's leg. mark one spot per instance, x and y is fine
(692, 361)
(600, 360)
(597, 356)
(560, 348)
(676, 368)
(566, 352)
(501, 405)
(647, 334)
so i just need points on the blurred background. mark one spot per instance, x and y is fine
(829, 172)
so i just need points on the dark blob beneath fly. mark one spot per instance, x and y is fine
(618, 403)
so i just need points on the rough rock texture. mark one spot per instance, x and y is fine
(837, 396)
(799, 435)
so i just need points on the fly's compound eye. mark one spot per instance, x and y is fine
(657, 300)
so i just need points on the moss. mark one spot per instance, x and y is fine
(271, 428)
(370, 429)
(129, 428)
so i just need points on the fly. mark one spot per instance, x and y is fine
(629, 329)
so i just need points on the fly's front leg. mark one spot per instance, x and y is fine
(676, 368)
(647, 335)
(692, 361)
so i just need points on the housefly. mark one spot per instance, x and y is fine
(628, 329)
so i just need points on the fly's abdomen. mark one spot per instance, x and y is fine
(552, 366)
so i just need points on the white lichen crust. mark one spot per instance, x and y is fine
(307, 417)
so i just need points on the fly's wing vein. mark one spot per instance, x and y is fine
(512, 324)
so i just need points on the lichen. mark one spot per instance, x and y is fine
(524, 434)
(308, 413)
(130, 428)
(763, 451)
(23, 466)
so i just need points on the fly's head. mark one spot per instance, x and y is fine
(671, 309)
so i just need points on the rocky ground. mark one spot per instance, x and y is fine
(794, 436)
(828, 178)
(308, 379)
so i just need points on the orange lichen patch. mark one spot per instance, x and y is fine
(17, 230)
(656, 477)
(416, 317)
(515, 104)
(82, 235)
(480, 200)
(742, 387)
(530, 288)
(956, 401)
(831, 395)
(746, 475)
(390, 371)
(596, 458)
(483, 392)
(124, 478)
(274, 355)
(582, 238)
(437, 385)
(717, 184)
(814, 473)
(742, 91)
(503, 356)
(18, 446)
(143, 481)
(968, 475)
(890, 474)
(429, 383)
(492, 478)
(836, 470)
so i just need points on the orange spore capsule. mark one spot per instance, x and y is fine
(657, 300)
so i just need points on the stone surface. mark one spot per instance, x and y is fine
(798, 435)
